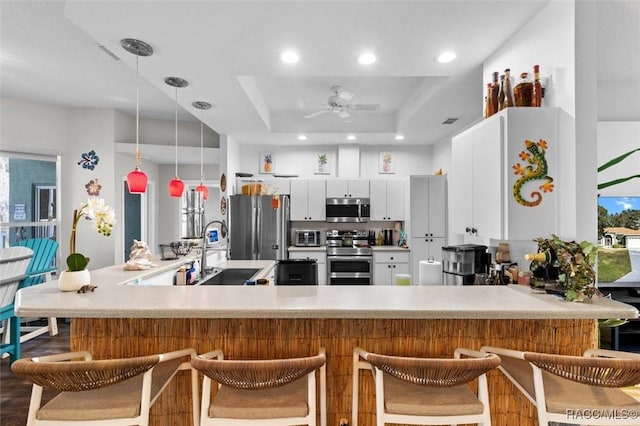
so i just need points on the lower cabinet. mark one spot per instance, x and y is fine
(387, 264)
(320, 256)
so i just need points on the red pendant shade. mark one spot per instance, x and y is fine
(176, 186)
(137, 181)
(204, 190)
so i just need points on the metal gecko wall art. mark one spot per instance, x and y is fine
(535, 168)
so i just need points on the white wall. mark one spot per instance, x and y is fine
(89, 129)
(407, 160)
(32, 127)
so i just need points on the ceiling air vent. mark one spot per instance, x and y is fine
(450, 121)
(108, 52)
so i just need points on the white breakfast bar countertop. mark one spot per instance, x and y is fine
(110, 300)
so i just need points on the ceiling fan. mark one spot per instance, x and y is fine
(338, 103)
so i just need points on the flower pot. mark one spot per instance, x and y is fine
(73, 280)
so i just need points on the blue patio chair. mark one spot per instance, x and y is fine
(40, 269)
(13, 266)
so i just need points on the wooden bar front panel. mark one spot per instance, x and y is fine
(280, 338)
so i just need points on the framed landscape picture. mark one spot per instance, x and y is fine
(267, 163)
(321, 163)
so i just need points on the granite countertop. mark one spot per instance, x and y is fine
(411, 302)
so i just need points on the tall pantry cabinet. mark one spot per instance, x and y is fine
(428, 220)
(502, 176)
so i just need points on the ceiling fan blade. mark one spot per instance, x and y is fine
(316, 113)
(345, 96)
(363, 107)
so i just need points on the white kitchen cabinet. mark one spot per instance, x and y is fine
(498, 179)
(320, 256)
(347, 188)
(308, 199)
(387, 199)
(428, 219)
(386, 264)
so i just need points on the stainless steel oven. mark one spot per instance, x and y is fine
(349, 258)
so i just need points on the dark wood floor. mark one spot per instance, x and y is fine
(14, 392)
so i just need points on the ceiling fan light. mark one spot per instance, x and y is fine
(289, 57)
(204, 190)
(176, 186)
(446, 57)
(137, 181)
(367, 58)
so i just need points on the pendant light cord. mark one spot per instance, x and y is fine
(176, 131)
(137, 116)
(201, 147)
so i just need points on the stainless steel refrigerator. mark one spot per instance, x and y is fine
(258, 227)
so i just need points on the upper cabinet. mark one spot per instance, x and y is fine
(347, 188)
(308, 199)
(387, 199)
(502, 176)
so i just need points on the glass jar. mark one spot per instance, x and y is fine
(523, 92)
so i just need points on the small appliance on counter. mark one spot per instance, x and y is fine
(297, 272)
(461, 263)
(306, 237)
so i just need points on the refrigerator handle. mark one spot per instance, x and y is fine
(258, 233)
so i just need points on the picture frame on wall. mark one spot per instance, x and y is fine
(267, 163)
(321, 163)
(386, 165)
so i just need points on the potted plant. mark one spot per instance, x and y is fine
(103, 218)
(574, 263)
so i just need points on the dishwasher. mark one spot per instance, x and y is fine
(297, 272)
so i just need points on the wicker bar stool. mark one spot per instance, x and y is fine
(426, 391)
(101, 392)
(264, 392)
(575, 389)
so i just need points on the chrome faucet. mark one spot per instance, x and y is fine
(203, 261)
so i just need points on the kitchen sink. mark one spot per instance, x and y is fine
(231, 276)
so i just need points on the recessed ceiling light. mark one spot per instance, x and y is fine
(351, 137)
(367, 58)
(399, 137)
(290, 57)
(302, 137)
(445, 57)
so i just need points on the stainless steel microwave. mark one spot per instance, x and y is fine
(348, 210)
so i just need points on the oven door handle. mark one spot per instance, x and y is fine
(368, 259)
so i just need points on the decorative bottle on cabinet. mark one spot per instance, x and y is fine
(523, 91)
(501, 94)
(508, 92)
(495, 88)
(536, 100)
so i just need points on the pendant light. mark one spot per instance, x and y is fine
(201, 105)
(176, 186)
(137, 179)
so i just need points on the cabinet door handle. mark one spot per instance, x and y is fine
(389, 266)
(391, 257)
(474, 231)
(467, 229)
(394, 266)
